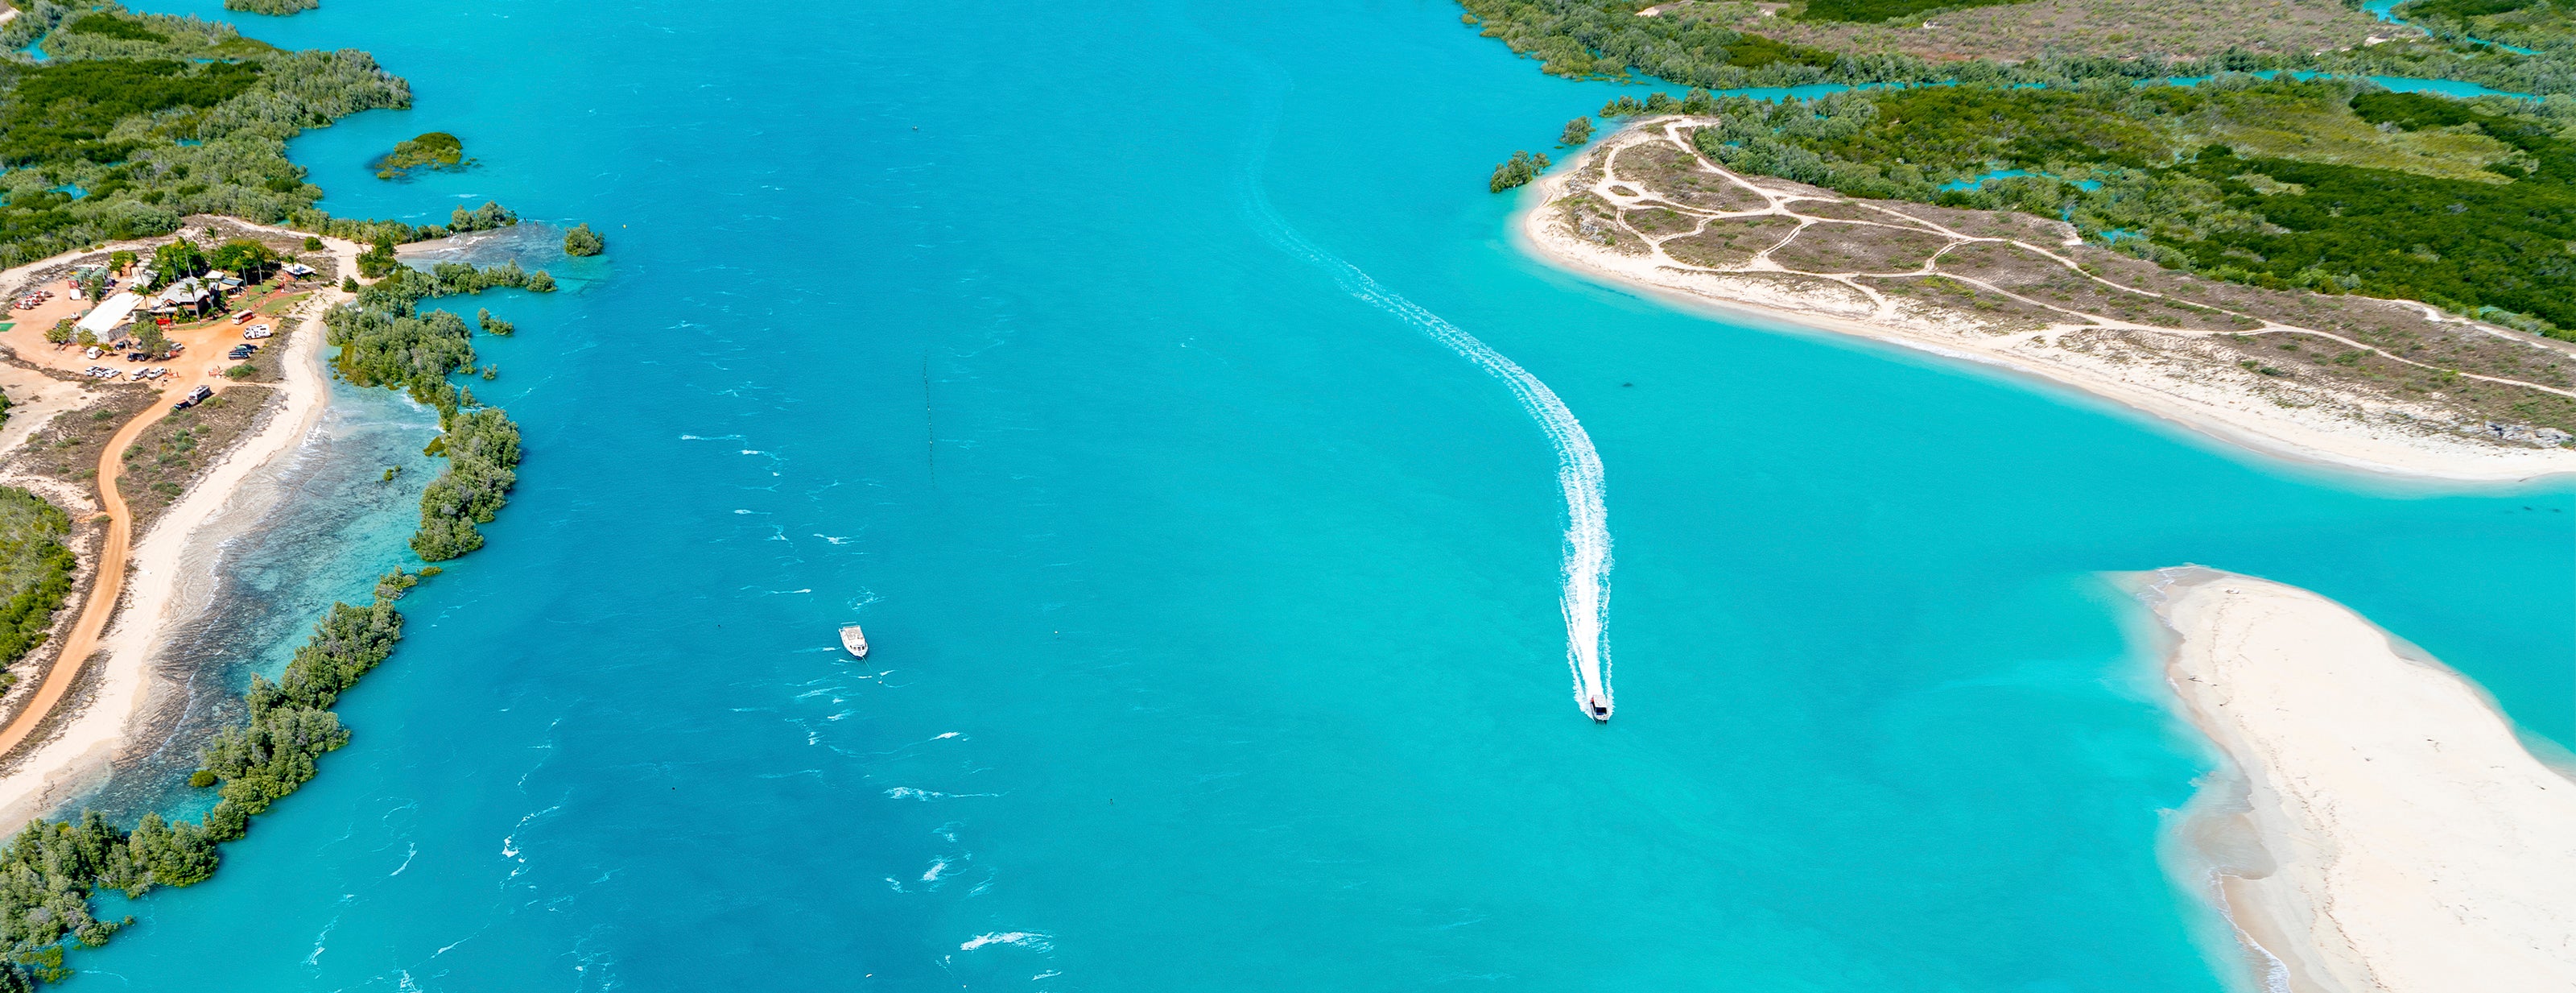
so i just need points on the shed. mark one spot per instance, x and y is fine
(110, 314)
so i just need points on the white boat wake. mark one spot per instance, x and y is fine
(1586, 598)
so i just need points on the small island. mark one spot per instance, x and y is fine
(582, 242)
(435, 151)
(272, 8)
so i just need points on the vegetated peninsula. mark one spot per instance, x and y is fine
(2312, 264)
(2346, 378)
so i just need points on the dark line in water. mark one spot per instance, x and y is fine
(929, 431)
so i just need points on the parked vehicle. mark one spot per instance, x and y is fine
(194, 396)
(245, 316)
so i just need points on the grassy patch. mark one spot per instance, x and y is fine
(2298, 126)
(1730, 241)
(1875, 11)
(168, 456)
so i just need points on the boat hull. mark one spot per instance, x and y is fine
(855, 641)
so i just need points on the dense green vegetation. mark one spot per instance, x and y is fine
(484, 218)
(436, 151)
(272, 8)
(246, 258)
(107, 25)
(64, 112)
(482, 450)
(35, 569)
(2330, 186)
(385, 342)
(582, 241)
(1517, 171)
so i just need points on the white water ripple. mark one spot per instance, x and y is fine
(1586, 598)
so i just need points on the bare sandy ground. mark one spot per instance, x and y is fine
(77, 755)
(2220, 407)
(34, 399)
(2381, 828)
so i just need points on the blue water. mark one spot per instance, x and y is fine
(1995, 174)
(1216, 615)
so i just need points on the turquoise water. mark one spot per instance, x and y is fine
(1995, 174)
(1216, 609)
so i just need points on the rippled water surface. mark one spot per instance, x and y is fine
(1217, 609)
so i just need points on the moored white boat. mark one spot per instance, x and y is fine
(855, 640)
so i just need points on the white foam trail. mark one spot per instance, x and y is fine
(1586, 599)
(1025, 939)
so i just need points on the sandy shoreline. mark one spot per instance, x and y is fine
(77, 755)
(2380, 827)
(2240, 417)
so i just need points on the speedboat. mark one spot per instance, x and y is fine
(855, 640)
(1599, 707)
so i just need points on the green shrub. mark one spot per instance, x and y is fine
(581, 241)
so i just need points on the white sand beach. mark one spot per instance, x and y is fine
(2382, 829)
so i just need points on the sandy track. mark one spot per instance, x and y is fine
(82, 641)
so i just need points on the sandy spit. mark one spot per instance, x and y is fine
(2380, 827)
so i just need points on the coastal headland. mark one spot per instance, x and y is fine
(2289, 373)
(102, 655)
(2378, 826)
